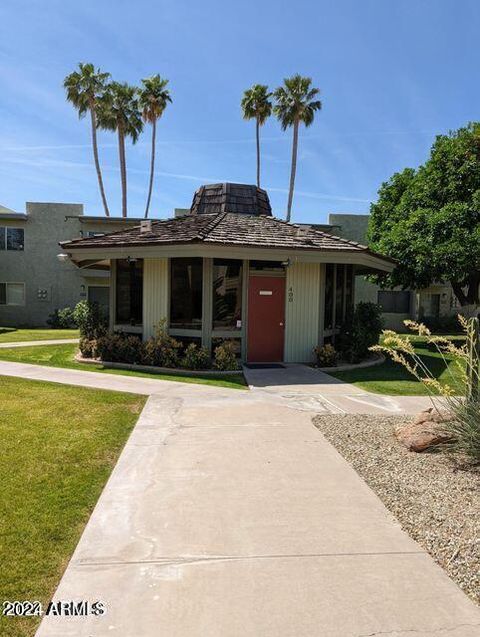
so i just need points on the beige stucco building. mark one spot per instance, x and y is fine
(33, 283)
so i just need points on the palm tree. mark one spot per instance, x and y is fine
(153, 100)
(118, 111)
(257, 105)
(295, 104)
(84, 88)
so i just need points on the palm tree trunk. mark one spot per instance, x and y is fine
(257, 130)
(293, 170)
(123, 169)
(152, 166)
(97, 162)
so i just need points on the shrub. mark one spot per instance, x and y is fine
(196, 357)
(224, 357)
(361, 332)
(90, 319)
(161, 350)
(326, 355)
(88, 347)
(442, 324)
(119, 348)
(462, 403)
(62, 319)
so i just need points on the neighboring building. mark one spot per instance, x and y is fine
(229, 269)
(33, 283)
(436, 301)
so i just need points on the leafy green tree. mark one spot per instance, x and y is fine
(429, 218)
(256, 105)
(84, 88)
(295, 104)
(153, 99)
(118, 110)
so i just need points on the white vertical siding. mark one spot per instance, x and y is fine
(155, 294)
(302, 311)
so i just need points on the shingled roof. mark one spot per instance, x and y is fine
(237, 198)
(222, 229)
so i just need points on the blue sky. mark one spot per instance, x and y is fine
(392, 74)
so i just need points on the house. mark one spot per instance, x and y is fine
(33, 283)
(435, 302)
(228, 269)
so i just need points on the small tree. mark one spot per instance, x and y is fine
(429, 219)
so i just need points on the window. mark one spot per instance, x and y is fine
(339, 298)
(12, 293)
(394, 301)
(129, 291)
(11, 238)
(186, 281)
(227, 294)
(349, 291)
(100, 294)
(329, 285)
(275, 266)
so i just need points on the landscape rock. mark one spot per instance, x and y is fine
(431, 415)
(425, 431)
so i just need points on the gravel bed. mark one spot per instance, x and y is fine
(435, 499)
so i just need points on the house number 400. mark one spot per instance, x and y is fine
(290, 295)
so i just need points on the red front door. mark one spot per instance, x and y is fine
(266, 319)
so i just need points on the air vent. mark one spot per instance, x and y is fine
(146, 225)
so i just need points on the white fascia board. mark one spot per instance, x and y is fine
(233, 252)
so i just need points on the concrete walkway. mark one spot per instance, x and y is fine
(317, 391)
(230, 515)
(53, 341)
(296, 386)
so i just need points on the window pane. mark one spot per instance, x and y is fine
(394, 301)
(349, 290)
(339, 300)
(3, 293)
(329, 272)
(129, 291)
(186, 278)
(14, 238)
(2, 237)
(100, 294)
(15, 294)
(227, 294)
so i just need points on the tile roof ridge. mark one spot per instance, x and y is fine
(203, 234)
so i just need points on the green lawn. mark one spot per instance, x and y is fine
(391, 378)
(63, 356)
(58, 447)
(14, 335)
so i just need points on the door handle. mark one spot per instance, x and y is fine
(281, 324)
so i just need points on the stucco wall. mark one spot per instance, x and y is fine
(302, 311)
(38, 267)
(155, 294)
